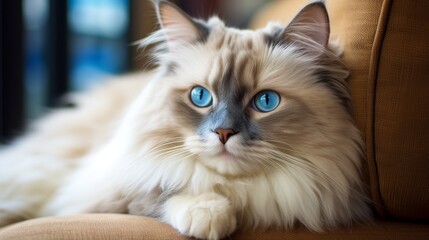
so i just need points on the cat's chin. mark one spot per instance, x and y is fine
(225, 164)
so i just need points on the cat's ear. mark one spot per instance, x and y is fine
(311, 23)
(178, 27)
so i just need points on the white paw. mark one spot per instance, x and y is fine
(208, 216)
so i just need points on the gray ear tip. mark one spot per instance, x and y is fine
(320, 7)
(318, 4)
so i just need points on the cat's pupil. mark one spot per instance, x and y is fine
(201, 94)
(266, 101)
(200, 97)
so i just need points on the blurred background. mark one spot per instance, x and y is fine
(51, 47)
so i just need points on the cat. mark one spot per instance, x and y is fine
(234, 129)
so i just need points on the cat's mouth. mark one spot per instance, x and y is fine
(224, 153)
(223, 158)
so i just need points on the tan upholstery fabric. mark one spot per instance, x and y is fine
(386, 48)
(401, 114)
(90, 226)
(126, 227)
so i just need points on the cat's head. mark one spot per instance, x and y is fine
(243, 102)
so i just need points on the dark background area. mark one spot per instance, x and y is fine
(51, 47)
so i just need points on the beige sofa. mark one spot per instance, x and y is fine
(386, 46)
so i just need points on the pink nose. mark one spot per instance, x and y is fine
(224, 134)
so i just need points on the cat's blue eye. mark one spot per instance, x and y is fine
(266, 101)
(201, 97)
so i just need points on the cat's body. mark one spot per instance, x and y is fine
(36, 164)
(206, 167)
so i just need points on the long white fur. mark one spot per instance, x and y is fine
(34, 166)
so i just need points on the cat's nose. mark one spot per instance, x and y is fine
(224, 134)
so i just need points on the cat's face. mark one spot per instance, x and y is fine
(245, 101)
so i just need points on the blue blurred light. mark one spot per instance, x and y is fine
(99, 40)
(106, 18)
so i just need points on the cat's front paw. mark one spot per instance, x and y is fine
(208, 216)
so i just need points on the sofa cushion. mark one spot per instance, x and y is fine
(90, 226)
(116, 226)
(386, 49)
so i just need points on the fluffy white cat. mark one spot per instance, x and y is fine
(235, 128)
